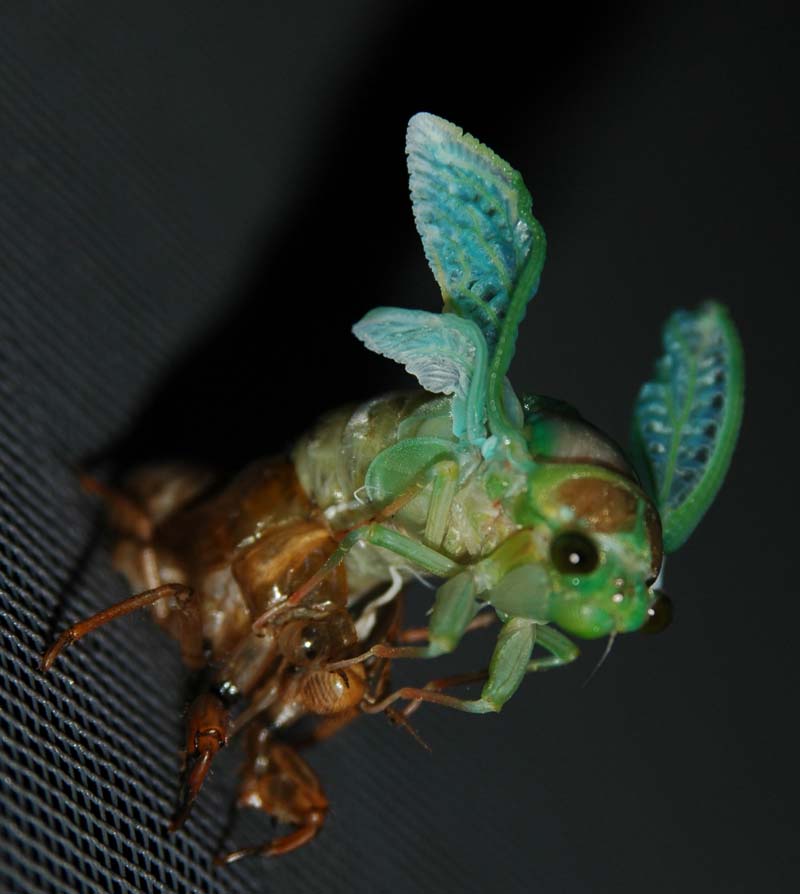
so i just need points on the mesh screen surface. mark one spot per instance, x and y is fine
(144, 170)
(196, 202)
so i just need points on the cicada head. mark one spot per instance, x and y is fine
(595, 535)
(599, 538)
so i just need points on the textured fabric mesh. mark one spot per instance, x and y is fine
(129, 230)
(98, 202)
(197, 200)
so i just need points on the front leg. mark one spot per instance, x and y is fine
(181, 595)
(207, 731)
(454, 611)
(511, 660)
(562, 650)
(279, 782)
(508, 666)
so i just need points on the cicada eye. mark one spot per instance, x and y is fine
(311, 642)
(574, 553)
(302, 643)
(659, 615)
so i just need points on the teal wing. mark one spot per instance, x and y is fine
(686, 420)
(445, 353)
(473, 213)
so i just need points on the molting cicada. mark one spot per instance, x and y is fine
(284, 582)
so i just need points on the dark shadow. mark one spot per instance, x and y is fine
(284, 353)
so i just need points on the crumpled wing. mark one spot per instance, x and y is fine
(446, 354)
(686, 420)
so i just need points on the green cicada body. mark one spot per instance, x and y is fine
(516, 501)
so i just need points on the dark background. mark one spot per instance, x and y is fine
(197, 200)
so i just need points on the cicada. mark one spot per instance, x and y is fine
(516, 500)
(517, 504)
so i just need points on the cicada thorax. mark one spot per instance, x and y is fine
(337, 462)
(556, 432)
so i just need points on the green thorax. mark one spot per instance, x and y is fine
(358, 459)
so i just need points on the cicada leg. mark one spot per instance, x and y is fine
(206, 735)
(430, 692)
(453, 615)
(510, 662)
(137, 559)
(279, 782)
(444, 683)
(423, 634)
(417, 695)
(445, 485)
(562, 651)
(178, 592)
(125, 514)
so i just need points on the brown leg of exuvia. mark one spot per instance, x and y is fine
(410, 635)
(431, 692)
(126, 515)
(422, 634)
(279, 782)
(206, 734)
(132, 604)
(444, 683)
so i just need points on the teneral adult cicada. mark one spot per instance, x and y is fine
(514, 500)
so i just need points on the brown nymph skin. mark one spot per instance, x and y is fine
(217, 562)
(209, 560)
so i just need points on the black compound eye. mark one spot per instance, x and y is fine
(310, 642)
(659, 615)
(302, 643)
(574, 553)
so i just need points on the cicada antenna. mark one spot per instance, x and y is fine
(603, 657)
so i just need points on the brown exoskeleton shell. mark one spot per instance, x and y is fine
(210, 560)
